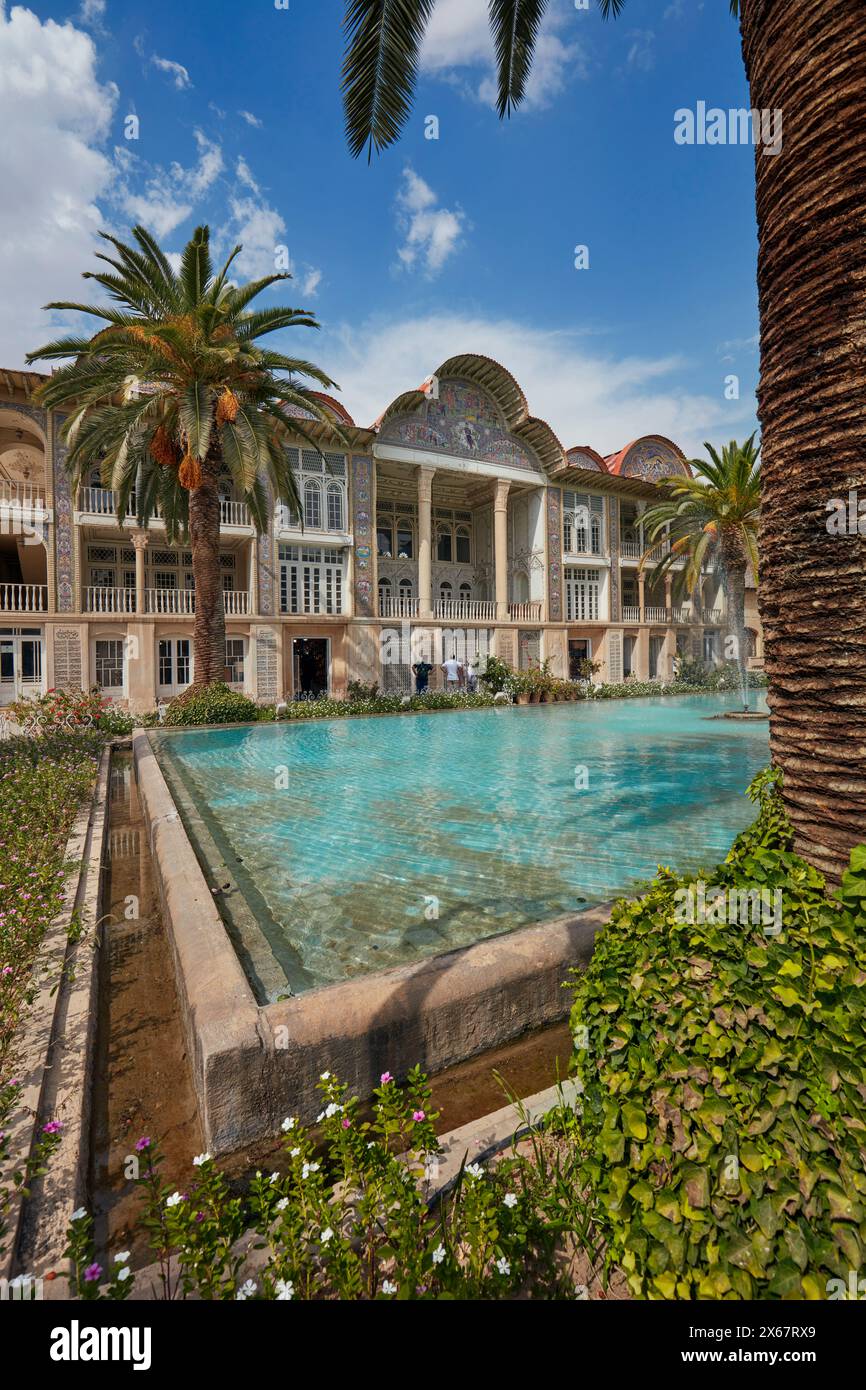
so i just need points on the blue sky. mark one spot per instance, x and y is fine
(461, 243)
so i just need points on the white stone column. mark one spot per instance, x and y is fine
(140, 540)
(424, 476)
(500, 548)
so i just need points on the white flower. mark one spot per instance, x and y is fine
(332, 1109)
(326, 1076)
(309, 1168)
(474, 1170)
(388, 1287)
(284, 1290)
(79, 1215)
(288, 1124)
(245, 1291)
(174, 1200)
(275, 1177)
(125, 1273)
(327, 1235)
(510, 1200)
(200, 1159)
(294, 1153)
(503, 1265)
(282, 1203)
(320, 1117)
(439, 1254)
(122, 1257)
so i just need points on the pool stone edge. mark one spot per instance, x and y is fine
(254, 1064)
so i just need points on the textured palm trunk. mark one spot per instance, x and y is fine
(209, 638)
(808, 59)
(734, 577)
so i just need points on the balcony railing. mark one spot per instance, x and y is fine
(23, 598)
(25, 495)
(631, 550)
(630, 614)
(105, 600)
(682, 615)
(712, 615)
(525, 612)
(464, 610)
(102, 501)
(180, 603)
(393, 606)
(656, 615)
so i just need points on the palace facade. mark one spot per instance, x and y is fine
(456, 524)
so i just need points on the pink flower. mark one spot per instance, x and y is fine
(142, 1144)
(92, 1273)
(418, 1116)
(53, 1127)
(385, 1078)
(347, 1124)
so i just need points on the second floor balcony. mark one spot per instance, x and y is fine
(175, 603)
(102, 502)
(23, 598)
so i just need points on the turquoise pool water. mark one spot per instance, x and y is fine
(353, 845)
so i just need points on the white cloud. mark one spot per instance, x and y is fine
(261, 230)
(458, 38)
(251, 119)
(169, 195)
(92, 13)
(586, 395)
(431, 233)
(176, 71)
(641, 54)
(54, 172)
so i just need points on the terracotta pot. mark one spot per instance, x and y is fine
(523, 697)
(534, 697)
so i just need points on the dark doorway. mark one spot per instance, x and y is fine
(578, 651)
(310, 667)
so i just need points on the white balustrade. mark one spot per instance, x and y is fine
(23, 598)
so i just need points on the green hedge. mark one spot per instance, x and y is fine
(213, 704)
(724, 1107)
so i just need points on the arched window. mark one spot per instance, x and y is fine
(405, 539)
(444, 544)
(384, 597)
(312, 505)
(384, 537)
(446, 592)
(465, 592)
(335, 507)
(464, 548)
(405, 587)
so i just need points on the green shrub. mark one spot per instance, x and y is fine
(212, 704)
(723, 1065)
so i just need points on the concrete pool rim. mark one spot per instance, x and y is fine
(252, 1064)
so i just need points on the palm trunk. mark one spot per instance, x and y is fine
(209, 639)
(809, 61)
(734, 579)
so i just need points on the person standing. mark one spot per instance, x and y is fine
(421, 671)
(451, 669)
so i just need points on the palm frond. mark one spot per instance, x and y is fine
(380, 69)
(515, 25)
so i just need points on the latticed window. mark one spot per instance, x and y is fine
(582, 591)
(583, 523)
(335, 507)
(109, 663)
(235, 647)
(312, 506)
(311, 580)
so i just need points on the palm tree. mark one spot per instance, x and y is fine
(175, 395)
(711, 522)
(806, 62)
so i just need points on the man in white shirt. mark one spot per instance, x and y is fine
(452, 672)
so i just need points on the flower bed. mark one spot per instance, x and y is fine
(42, 783)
